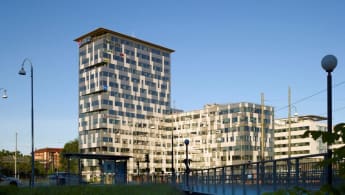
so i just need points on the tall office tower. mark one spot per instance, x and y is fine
(124, 82)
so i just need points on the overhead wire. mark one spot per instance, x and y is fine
(310, 96)
(335, 110)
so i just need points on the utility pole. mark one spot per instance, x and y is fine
(262, 128)
(289, 136)
(262, 166)
(172, 144)
(15, 158)
(172, 149)
(289, 123)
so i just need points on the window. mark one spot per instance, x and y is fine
(236, 157)
(226, 120)
(112, 66)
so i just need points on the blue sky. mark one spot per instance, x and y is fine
(226, 52)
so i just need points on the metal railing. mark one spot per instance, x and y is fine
(258, 177)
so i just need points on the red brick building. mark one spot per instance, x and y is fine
(49, 157)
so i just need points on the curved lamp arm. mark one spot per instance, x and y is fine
(5, 93)
(22, 70)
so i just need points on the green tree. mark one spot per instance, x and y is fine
(23, 164)
(70, 147)
(337, 136)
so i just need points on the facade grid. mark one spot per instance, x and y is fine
(125, 109)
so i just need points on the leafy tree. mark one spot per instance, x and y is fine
(23, 164)
(70, 147)
(338, 156)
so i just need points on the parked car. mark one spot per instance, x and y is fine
(4, 180)
(64, 178)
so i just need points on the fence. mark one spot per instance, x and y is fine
(258, 177)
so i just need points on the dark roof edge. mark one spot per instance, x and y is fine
(101, 31)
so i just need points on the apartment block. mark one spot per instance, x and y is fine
(49, 157)
(288, 136)
(223, 134)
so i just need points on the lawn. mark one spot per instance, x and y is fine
(149, 189)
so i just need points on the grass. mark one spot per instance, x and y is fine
(149, 189)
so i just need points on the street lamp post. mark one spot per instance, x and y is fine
(328, 63)
(186, 161)
(22, 72)
(147, 160)
(138, 168)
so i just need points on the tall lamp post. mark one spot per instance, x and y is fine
(5, 93)
(329, 62)
(22, 72)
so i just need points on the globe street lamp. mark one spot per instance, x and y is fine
(22, 72)
(5, 93)
(329, 62)
(187, 162)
